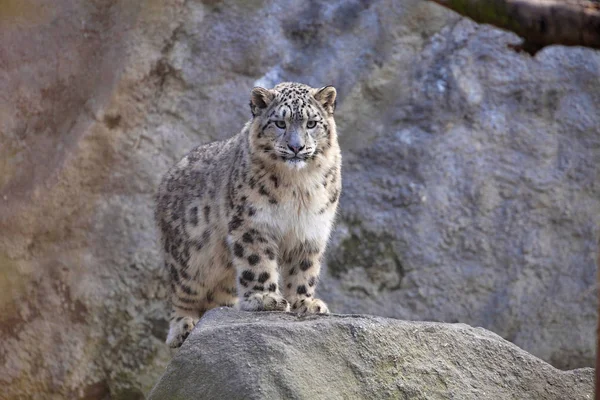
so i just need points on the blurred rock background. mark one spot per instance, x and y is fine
(471, 173)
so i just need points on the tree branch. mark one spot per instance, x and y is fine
(539, 22)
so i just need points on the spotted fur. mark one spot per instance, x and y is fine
(245, 221)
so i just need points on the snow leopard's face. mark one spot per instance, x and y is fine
(292, 122)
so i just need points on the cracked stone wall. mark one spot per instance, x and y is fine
(470, 172)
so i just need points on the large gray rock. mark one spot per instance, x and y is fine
(238, 355)
(471, 173)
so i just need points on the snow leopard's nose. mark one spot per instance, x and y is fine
(295, 142)
(295, 147)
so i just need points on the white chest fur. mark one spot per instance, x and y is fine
(301, 214)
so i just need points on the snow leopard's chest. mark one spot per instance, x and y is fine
(303, 212)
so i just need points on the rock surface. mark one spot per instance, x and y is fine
(238, 355)
(471, 180)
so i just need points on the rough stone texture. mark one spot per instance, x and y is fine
(81, 297)
(471, 177)
(237, 355)
(472, 190)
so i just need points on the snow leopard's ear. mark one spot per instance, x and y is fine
(326, 97)
(260, 98)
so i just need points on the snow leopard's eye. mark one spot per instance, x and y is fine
(280, 124)
(311, 124)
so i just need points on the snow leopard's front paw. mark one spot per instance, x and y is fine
(264, 302)
(179, 330)
(310, 306)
